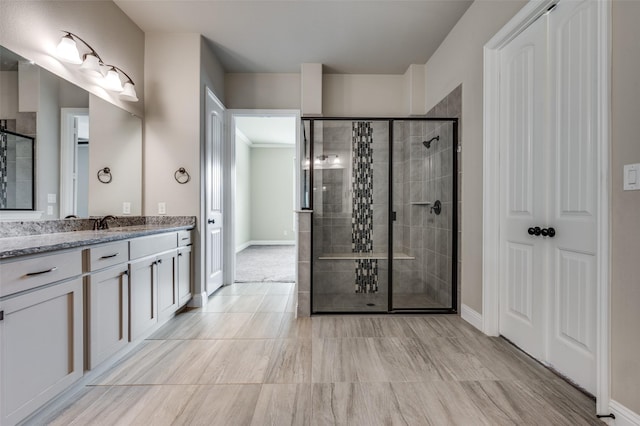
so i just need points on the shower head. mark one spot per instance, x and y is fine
(428, 143)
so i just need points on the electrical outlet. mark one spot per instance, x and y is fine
(49, 210)
(286, 232)
(51, 198)
(126, 207)
(162, 208)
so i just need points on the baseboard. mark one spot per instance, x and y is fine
(624, 416)
(471, 316)
(243, 246)
(272, 242)
(198, 300)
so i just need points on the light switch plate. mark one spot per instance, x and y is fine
(631, 177)
(126, 207)
(51, 198)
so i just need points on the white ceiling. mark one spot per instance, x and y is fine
(268, 130)
(347, 36)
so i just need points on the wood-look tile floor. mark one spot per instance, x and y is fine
(245, 359)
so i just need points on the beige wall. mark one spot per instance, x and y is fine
(262, 91)
(172, 122)
(32, 29)
(242, 213)
(8, 94)
(459, 60)
(272, 194)
(364, 95)
(625, 206)
(115, 140)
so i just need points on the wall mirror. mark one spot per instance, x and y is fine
(55, 139)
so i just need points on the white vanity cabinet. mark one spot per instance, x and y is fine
(41, 330)
(152, 271)
(185, 254)
(107, 301)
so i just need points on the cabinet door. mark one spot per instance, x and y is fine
(41, 348)
(107, 314)
(143, 313)
(166, 271)
(184, 275)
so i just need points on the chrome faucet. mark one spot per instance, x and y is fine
(103, 223)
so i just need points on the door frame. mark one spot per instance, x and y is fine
(229, 243)
(68, 160)
(491, 182)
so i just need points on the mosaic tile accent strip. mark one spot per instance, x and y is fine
(3, 165)
(362, 212)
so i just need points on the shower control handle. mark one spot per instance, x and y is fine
(437, 207)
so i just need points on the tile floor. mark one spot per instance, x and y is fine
(246, 360)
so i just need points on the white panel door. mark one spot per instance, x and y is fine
(572, 194)
(523, 269)
(214, 115)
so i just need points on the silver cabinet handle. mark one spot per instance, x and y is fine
(31, 274)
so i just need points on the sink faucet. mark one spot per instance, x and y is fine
(102, 223)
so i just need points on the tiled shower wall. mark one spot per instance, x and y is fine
(451, 107)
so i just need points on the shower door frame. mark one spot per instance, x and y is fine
(453, 309)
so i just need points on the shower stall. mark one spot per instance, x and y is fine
(383, 195)
(16, 170)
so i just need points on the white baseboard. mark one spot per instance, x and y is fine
(624, 416)
(242, 246)
(471, 316)
(272, 242)
(198, 300)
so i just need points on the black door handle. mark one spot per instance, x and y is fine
(211, 221)
(545, 232)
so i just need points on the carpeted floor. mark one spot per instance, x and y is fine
(266, 263)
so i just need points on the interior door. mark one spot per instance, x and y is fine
(573, 152)
(214, 115)
(523, 269)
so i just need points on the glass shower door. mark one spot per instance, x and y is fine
(350, 268)
(424, 200)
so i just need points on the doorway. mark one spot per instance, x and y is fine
(264, 195)
(74, 162)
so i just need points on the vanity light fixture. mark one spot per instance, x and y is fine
(108, 76)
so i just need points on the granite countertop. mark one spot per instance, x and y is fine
(42, 243)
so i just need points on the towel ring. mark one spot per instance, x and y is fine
(104, 175)
(182, 176)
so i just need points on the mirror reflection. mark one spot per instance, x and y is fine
(54, 134)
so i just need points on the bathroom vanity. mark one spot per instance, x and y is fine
(71, 302)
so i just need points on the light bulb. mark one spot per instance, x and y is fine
(68, 51)
(91, 65)
(129, 92)
(112, 81)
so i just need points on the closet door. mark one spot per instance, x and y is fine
(573, 192)
(524, 171)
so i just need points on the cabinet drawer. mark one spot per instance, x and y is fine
(146, 246)
(107, 255)
(27, 273)
(184, 238)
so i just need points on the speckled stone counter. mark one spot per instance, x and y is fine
(23, 238)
